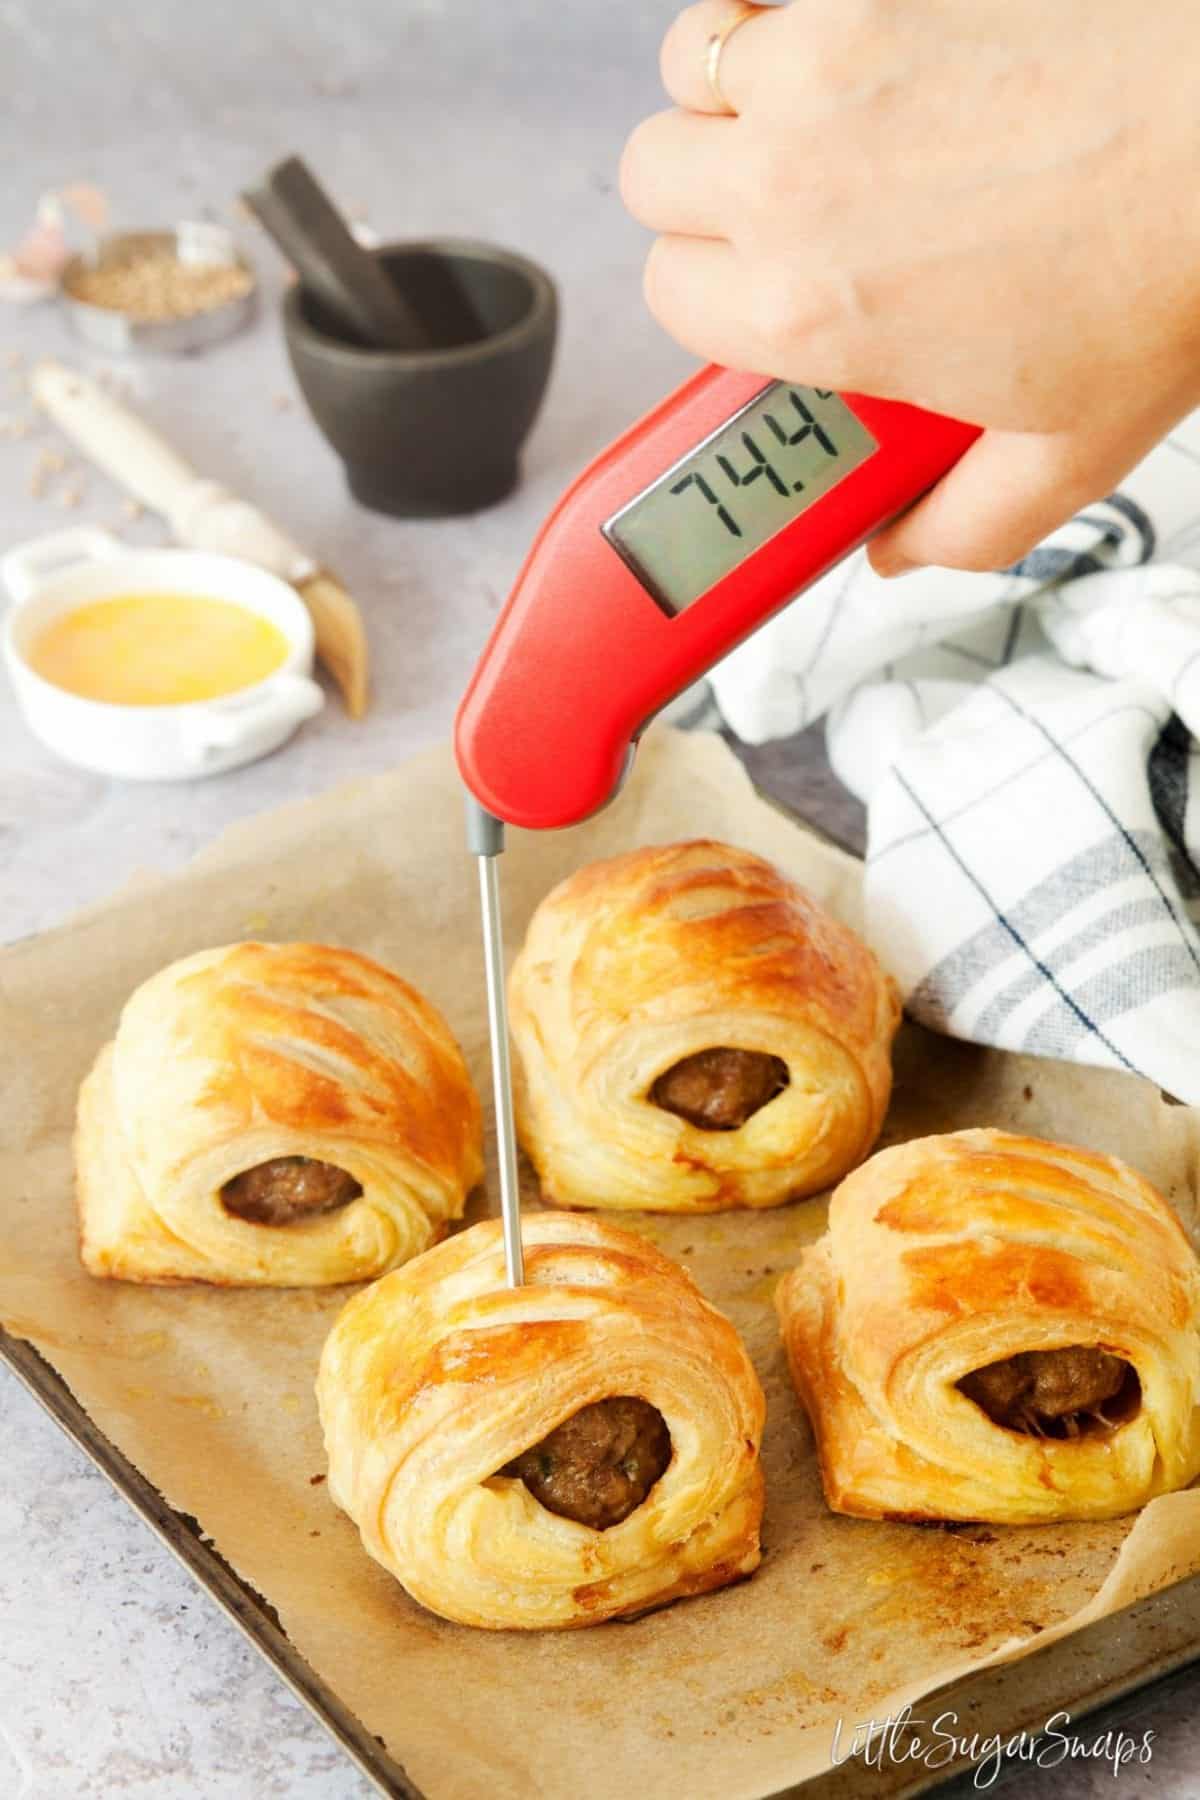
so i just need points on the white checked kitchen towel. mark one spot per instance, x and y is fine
(1026, 747)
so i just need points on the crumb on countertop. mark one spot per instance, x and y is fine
(46, 464)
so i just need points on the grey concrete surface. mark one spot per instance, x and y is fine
(117, 1677)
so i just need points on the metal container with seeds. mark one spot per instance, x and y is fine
(160, 291)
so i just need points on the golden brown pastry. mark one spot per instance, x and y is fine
(273, 1114)
(694, 1033)
(583, 1447)
(999, 1329)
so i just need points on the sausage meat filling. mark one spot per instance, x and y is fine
(720, 1089)
(599, 1465)
(287, 1189)
(1055, 1393)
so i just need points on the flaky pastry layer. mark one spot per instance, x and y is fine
(235, 1057)
(434, 1379)
(633, 965)
(950, 1254)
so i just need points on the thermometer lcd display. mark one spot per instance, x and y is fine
(726, 498)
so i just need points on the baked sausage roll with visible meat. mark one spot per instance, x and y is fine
(581, 1448)
(696, 1033)
(997, 1329)
(273, 1114)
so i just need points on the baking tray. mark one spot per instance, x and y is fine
(1092, 1668)
(1098, 1667)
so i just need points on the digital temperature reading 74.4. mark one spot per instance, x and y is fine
(755, 474)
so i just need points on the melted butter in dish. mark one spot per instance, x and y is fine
(158, 649)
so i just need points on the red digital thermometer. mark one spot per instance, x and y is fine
(702, 520)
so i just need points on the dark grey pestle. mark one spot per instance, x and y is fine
(351, 284)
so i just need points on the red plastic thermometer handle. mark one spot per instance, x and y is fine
(583, 655)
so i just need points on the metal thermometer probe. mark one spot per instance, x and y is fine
(485, 837)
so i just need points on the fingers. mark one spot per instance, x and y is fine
(1010, 490)
(685, 51)
(691, 286)
(706, 295)
(674, 173)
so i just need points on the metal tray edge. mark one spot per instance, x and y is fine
(250, 1611)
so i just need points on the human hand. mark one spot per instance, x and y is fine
(985, 207)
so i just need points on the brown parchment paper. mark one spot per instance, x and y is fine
(210, 1393)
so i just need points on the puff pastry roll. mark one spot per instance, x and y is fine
(997, 1329)
(579, 1448)
(694, 1033)
(273, 1114)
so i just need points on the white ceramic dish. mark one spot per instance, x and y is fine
(53, 575)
